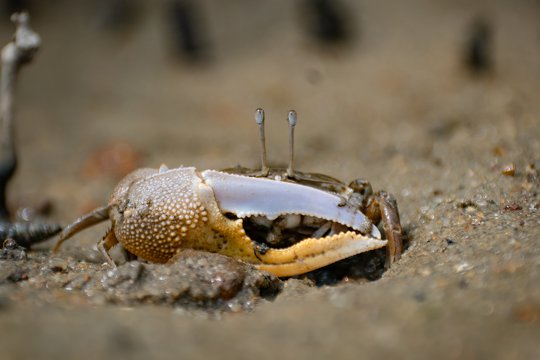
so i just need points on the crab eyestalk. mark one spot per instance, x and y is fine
(259, 119)
(291, 119)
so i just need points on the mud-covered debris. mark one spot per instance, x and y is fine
(466, 204)
(13, 272)
(512, 207)
(58, 264)
(123, 277)
(12, 251)
(194, 280)
(12, 269)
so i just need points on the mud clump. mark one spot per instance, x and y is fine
(195, 280)
(12, 251)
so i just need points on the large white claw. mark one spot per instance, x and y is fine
(247, 196)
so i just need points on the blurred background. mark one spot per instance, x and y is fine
(378, 86)
(435, 101)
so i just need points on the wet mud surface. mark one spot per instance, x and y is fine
(195, 281)
(396, 104)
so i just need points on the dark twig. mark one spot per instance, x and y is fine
(478, 51)
(18, 52)
(15, 54)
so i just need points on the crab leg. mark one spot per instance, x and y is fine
(247, 196)
(392, 227)
(106, 244)
(96, 216)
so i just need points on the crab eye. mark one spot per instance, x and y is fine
(359, 185)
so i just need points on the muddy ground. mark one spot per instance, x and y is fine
(393, 103)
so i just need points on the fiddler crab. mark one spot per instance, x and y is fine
(280, 220)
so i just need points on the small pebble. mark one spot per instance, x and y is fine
(509, 170)
(512, 207)
(462, 267)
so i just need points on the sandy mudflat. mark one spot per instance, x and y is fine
(394, 105)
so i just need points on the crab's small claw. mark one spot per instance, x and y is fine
(392, 227)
